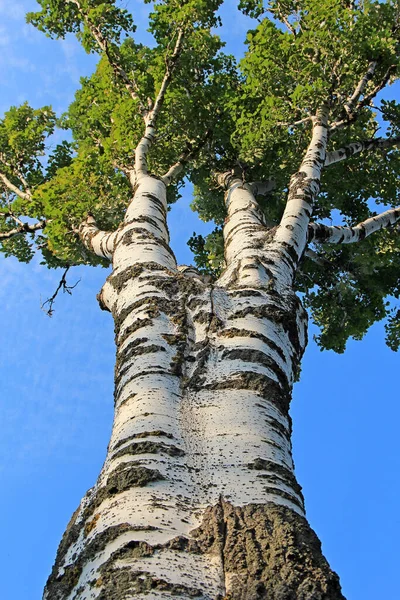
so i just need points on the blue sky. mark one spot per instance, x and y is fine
(56, 381)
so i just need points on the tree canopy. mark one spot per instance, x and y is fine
(202, 113)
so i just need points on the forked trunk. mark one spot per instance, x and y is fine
(197, 497)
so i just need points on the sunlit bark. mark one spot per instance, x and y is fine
(197, 496)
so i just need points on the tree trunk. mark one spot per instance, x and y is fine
(197, 497)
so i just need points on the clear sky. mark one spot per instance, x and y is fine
(56, 382)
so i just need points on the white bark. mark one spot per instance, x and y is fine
(291, 235)
(360, 88)
(202, 391)
(362, 146)
(99, 242)
(13, 188)
(348, 235)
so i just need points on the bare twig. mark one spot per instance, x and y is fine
(61, 286)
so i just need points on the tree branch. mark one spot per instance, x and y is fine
(317, 232)
(99, 242)
(262, 188)
(291, 234)
(13, 188)
(65, 288)
(356, 147)
(295, 123)
(355, 112)
(316, 258)
(147, 140)
(362, 84)
(189, 154)
(130, 83)
(23, 228)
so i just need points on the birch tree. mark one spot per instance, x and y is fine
(292, 153)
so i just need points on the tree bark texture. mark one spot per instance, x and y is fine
(197, 497)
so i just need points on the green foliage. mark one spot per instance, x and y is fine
(89, 174)
(58, 18)
(392, 328)
(23, 132)
(300, 54)
(208, 252)
(18, 246)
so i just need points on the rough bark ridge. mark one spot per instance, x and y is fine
(197, 496)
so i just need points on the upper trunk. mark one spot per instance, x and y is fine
(197, 496)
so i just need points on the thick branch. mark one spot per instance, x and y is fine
(262, 188)
(23, 228)
(357, 147)
(13, 188)
(291, 235)
(147, 140)
(347, 235)
(362, 84)
(99, 242)
(366, 101)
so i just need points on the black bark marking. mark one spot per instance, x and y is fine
(284, 474)
(266, 387)
(124, 582)
(126, 476)
(137, 324)
(123, 366)
(235, 332)
(260, 358)
(60, 587)
(143, 434)
(149, 447)
(286, 317)
(119, 279)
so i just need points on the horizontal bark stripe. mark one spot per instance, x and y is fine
(145, 434)
(233, 332)
(257, 357)
(247, 380)
(149, 447)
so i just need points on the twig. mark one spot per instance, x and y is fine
(295, 123)
(365, 102)
(189, 154)
(61, 286)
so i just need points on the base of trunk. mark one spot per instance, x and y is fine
(255, 552)
(269, 552)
